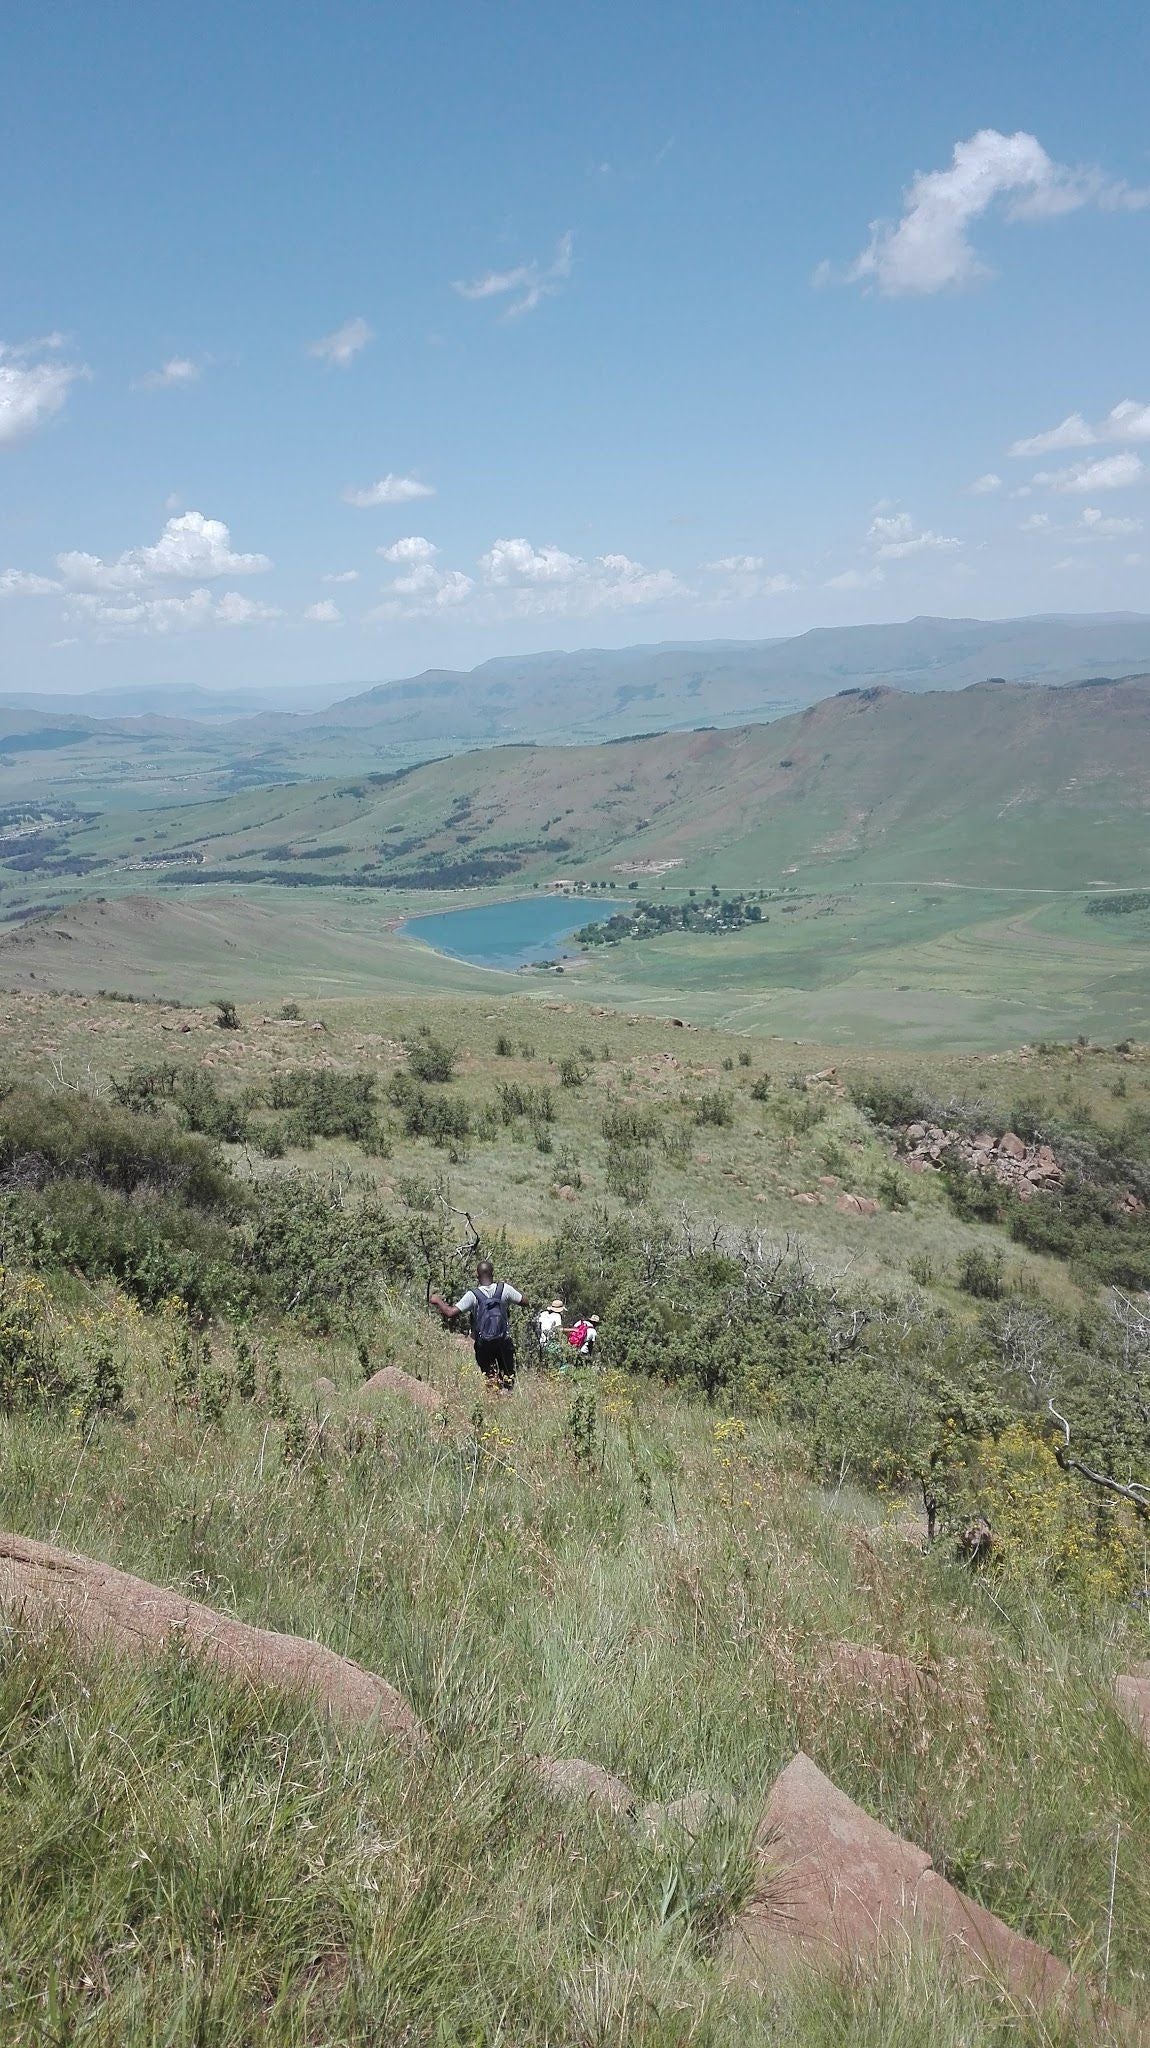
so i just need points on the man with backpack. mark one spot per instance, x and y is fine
(487, 1302)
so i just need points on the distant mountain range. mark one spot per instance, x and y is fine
(602, 692)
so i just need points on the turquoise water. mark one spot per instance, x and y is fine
(509, 935)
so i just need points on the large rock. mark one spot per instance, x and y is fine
(391, 1379)
(880, 1674)
(1132, 1692)
(101, 1605)
(833, 1882)
(1012, 1146)
(857, 1205)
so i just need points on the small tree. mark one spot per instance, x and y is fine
(227, 1015)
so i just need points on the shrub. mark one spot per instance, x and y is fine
(714, 1107)
(571, 1074)
(227, 1016)
(430, 1058)
(29, 1364)
(761, 1088)
(49, 1137)
(627, 1127)
(980, 1274)
(893, 1191)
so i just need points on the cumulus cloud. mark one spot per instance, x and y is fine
(343, 576)
(1128, 421)
(190, 549)
(34, 385)
(390, 490)
(1038, 522)
(1072, 432)
(325, 613)
(183, 614)
(517, 579)
(176, 372)
(412, 549)
(894, 535)
(856, 579)
(929, 248)
(527, 284)
(745, 577)
(1107, 473)
(21, 583)
(984, 486)
(340, 349)
(1107, 526)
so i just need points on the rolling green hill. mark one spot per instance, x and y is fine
(996, 786)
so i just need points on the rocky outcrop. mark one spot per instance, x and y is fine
(103, 1606)
(1027, 1169)
(833, 1882)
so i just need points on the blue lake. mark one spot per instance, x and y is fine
(510, 935)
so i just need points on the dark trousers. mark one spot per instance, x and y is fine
(495, 1357)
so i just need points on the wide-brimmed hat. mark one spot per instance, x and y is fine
(592, 1319)
(558, 1305)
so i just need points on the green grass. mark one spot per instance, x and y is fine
(189, 1861)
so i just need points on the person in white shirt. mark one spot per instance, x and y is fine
(487, 1303)
(549, 1324)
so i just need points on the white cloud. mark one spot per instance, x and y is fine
(21, 583)
(929, 248)
(340, 349)
(1038, 522)
(325, 613)
(529, 283)
(856, 579)
(177, 371)
(745, 577)
(34, 385)
(1073, 432)
(1108, 473)
(516, 579)
(1129, 421)
(412, 549)
(894, 536)
(343, 576)
(984, 486)
(1097, 521)
(199, 608)
(390, 490)
(190, 548)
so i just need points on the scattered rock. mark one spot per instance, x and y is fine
(391, 1379)
(1011, 1146)
(833, 1880)
(572, 1777)
(1132, 1693)
(687, 1816)
(102, 1605)
(859, 1668)
(857, 1205)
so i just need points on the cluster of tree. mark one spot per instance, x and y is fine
(645, 920)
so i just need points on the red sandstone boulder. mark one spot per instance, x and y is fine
(393, 1380)
(834, 1882)
(1132, 1693)
(102, 1605)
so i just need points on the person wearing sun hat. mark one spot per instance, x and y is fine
(548, 1325)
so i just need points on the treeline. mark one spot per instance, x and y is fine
(1124, 905)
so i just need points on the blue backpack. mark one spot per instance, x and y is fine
(489, 1317)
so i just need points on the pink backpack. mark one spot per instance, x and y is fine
(577, 1335)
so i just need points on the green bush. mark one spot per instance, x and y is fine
(430, 1058)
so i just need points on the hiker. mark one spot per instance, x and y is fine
(583, 1337)
(549, 1326)
(487, 1302)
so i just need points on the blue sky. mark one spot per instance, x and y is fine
(344, 340)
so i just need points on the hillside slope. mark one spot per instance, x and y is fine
(998, 785)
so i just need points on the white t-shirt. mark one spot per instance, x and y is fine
(550, 1321)
(471, 1298)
